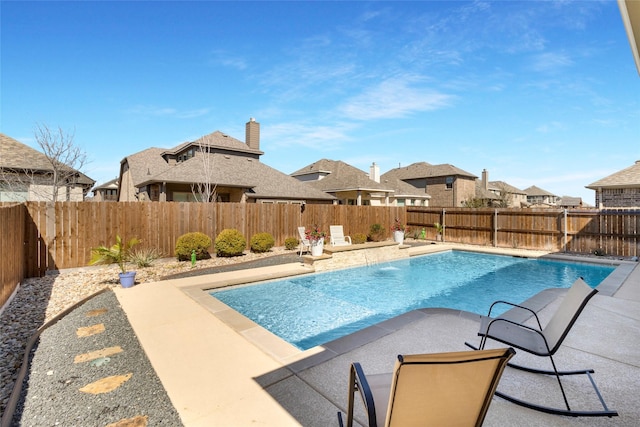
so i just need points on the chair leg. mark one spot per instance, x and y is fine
(606, 412)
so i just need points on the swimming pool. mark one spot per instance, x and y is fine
(314, 309)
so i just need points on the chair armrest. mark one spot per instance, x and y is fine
(518, 307)
(358, 381)
(347, 238)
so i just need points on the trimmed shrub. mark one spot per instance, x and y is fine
(262, 242)
(358, 238)
(377, 233)
(230, 242)
(196, 241)
(291, 243)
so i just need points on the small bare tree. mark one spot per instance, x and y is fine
(65, 157)
(45, 178)
(204, 190)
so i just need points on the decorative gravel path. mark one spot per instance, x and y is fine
(38, 300)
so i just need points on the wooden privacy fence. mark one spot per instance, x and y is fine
(612, 231)
(61, 235)
(40, 236)
(12, 272)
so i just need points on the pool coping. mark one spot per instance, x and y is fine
(297, 360)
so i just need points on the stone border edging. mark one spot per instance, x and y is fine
(9, 411)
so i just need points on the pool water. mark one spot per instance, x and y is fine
(314, 309)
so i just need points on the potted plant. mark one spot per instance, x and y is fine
(439, 229)
(315, 236)
(399, 230)
(116, 254)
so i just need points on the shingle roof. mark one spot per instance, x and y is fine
(111, 184)
(628, 177)
(341, 177)
(535, 191)
(426, 170)
(217, 139)
(227, 170)
(503, 186)
(16, 155)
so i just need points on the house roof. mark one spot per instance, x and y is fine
(109, 185)
(340, 177)
(628, 177)
(481, 193)
(16, 155)
(218, 140)
(570, 201)
(426, 170)
(229, 170)
(503, 186)
(536, 191)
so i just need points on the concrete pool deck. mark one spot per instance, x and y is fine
(218, 368)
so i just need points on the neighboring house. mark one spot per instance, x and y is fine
(446, 184)
(27, 174)
(537, 197)
(619, 190)
(348, 184)
(568, 202)
(216, 167)
(106, 192)
(404, 194)
(499, 193)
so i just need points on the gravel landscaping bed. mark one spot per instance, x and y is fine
(38, 300)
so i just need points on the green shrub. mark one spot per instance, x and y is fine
(144, 257)
(187, 243)
(291, 243)
(230, 242)
(358, 238)
(377, 233)
(262, 242)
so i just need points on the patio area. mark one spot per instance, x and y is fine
(218, 368)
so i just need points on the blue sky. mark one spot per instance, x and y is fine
(541, 93)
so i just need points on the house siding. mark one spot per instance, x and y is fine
(618, 198)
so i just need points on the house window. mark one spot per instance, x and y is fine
(400, 202)
(449, 182)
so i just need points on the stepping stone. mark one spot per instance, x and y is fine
(96, 312)
(106, 385)
(87, 331)
(138, 421)
(85, 357)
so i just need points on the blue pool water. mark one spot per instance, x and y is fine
(314, 309)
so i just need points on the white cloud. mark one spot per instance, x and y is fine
(550, 62)
(393, 98)
(154, 111)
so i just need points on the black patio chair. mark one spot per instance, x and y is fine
(544, 342)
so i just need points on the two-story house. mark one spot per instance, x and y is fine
(537, 197)
(215, 167)
(500, 193)
(27, 174)
(446, 184)
(620, 189)
(348, 184)
(107, 192)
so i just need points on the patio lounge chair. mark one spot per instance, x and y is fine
(304, 242)
(337, 236)
(543, 342)
(439, 389)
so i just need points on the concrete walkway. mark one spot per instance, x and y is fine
(220, 369)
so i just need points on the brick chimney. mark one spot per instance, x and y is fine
(252, 134)
(485, 179)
